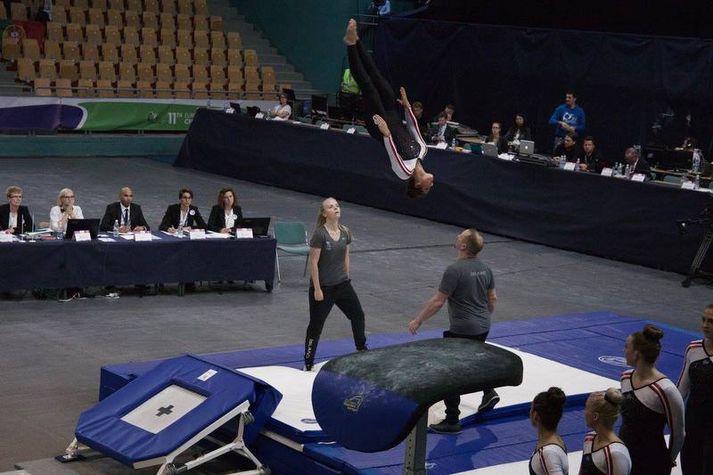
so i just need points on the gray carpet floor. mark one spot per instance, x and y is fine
(51, 352)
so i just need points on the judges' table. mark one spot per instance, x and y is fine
(603, 216)
(60, 264)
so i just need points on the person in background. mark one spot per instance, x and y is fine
(567, 118)
(125, 212)
(468, 286)
(417, 108)
(441, 132)
(225, 215)
(637, 163)
(603, 452)
(591, 159)
(330, 284)
(518, 131)
(651, 401)
(450, 109)
(568, 148)
(283, 110)
(15, 218)
(183, 214)
(64, 211)
(550, 455)
(380, 8)
(696, 387)
(496, 137)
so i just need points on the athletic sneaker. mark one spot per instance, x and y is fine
(445, 427)
(490, 399)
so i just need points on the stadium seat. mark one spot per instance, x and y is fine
(90, 52)
(200, 90)
(26, 69)
(168, 6)
(267, 73)
(182, 73)
(100, 5)
(234, 57)
(105, 88)
(52, 50)
(144, 72)
(131, 36)
(148, 37)
(201, 23)
(152, 6)
(117, 5)
(61, 3)
(112, 35)
(234, 41)
(181, 90)
(107, 71)
(217, 75)
(125, 88)
(48, 69)
(96, 17)
(251, 74)
(165, 55)
(217, 40)
(217, 57)
(149, 20)
(128, 54)
(235, 90)
(127, 72)
(168, 37)
(147, 54)
(85, 88)
(185, 7)
(59, 15)
(55, 31)
(163, 89)
(42, 87)
(184, 22)
(74, 32)
(185, 38)
(217, 90)
(68, 70)
(200, 7)
(18, 11)
(94, 34)
(134, 5)
(3, 12)
(83, 4)
(144, 89)
(235, 75)
(201, 56)
(216, 23)
(70, 50)
(250, 56)
(88, 70)
(132, 18)
(114, 18)
(201, 39)
(200, 74)
(77, 15)
(63, 88)
(183, 56)
(167, 20)
(110, 53)
(164, 73)
(31, 49)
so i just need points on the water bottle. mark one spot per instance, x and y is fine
(697, 182)
(115, 229)
(453, 143)
(179, 231)
(696, 162)
(576, 165)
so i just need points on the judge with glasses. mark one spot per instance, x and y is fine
(14, 218)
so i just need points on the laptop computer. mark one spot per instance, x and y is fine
(527, 147)
(490, 150)
(73, 225)
(259, 226)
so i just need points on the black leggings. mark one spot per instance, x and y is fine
(452, 402)
(378, 96)
(343, 296)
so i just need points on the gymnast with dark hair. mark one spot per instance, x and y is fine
(696, 386)
(604, 453)
(405, 148)
(550, 456)
(651, 401)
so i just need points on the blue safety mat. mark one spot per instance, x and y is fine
(170, 404)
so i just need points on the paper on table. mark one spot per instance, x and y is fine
(214, 235)
(106, 239)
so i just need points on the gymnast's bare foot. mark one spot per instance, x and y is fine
(381, 124)
(351, 36)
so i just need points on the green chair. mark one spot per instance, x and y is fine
(672, 179)
(292, 239)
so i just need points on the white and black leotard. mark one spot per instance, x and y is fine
(550, 459)
(644, 413)
(612, 459)
(696, 386)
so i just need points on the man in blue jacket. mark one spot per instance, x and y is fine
(566, 118)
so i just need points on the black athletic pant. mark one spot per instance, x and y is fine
(378, 96)
(343, 296)
(452, 402)
(697, 448)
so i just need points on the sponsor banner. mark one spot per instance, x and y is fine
(50, 113)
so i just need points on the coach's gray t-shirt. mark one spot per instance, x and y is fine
(331, 259)
(466, 282)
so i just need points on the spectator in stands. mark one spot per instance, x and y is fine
(15, 218)
(604, 452)
(637, 163)
(283, 110)
(330, 284)
(44, 14)
(404, 144)
(417, 108)
(441, 132)
(568, 148)
(518, 131)
(591, 159)
(125, 213)
(225, 215)
(651, 401)
(550, 456)
(469, 288)
(496, 137)
(695, 385)
(183, 214)
(380, 8)
(64, 211)
(567, 118)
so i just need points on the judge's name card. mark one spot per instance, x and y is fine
(5, 237)
(142, 236)
(196, 234)
(606, 171)
(324, 126)
(244, 233)
(569, 166)
(638, 177)
(82, 235)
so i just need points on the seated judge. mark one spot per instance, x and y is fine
(281, 111)
(125, 212)
(64, 211)
(637, 163)
(225, 215)
(568, 148)
(417, 109)
(441, 132)
(496, 137)
(15, 218)
(590, 158)
(182, 215)
(518, 131)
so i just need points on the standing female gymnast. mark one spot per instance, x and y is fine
(330, 284)
(603, 452)
(651, 401)
(696, 386)
(550, 456)
(406, 148)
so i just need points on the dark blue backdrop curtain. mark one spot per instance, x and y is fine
(490, 72)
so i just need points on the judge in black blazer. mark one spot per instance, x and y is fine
(225, 215)
(126, 213)
(14, 218)
(182, 214)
